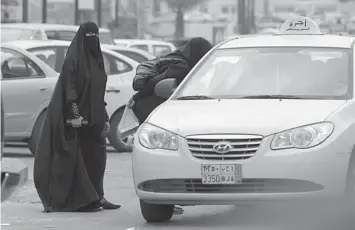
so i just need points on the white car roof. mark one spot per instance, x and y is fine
(335, 41)
(142, 52)
(29, 44)
(45, 26)
(142, 41)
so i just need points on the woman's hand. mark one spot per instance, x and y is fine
(77, 123)
(131, 103)
(106, 130)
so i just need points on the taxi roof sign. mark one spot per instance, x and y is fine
(300, 25)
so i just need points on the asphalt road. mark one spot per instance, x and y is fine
(23, 211)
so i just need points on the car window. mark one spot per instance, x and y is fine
(141, 47)
(114, 65)
(161, 50)
(133, 55)
(47, 55)
(306, 72)
(60, 35)
(15, 65)
(12, 34)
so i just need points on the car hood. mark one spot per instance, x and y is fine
(240, 116)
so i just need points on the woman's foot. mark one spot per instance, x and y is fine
(178, 210)
(108, 205)
(93, 207)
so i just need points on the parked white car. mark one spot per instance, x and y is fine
(157, 48)
(135, 54)
(119, 68)
(44, 31)
(27, 84)
(259, 118)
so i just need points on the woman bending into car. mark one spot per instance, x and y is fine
(173, 65)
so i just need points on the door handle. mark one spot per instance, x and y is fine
(43, 89)
(113, 91)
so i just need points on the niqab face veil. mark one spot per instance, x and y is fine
(86, 45)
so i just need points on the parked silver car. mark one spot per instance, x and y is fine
(27, 84)
(14, 173)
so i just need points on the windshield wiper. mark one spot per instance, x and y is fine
(195, 97)
(273, 97)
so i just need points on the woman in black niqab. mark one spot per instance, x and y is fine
(70, 160)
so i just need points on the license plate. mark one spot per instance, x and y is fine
(221, 173)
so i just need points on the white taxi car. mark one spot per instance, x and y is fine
(258, 119)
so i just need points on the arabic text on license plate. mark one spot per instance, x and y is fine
(221, 173)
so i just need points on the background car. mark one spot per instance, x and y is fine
(34, 31)
(119, 68)
(135, 54)
(179, 43)
(14, 173)
(27, 84)
(157, 48)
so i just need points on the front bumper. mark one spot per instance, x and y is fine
(162, 176)
(14, 174)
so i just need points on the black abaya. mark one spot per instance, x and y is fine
(70, 163)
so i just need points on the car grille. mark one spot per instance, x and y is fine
(248, 186)
(243, 146)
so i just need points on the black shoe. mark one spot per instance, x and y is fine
(108, 205)
(178, 211)
(93, 207)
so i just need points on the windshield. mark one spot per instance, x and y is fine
(106, 38)
(11, 34)
(313, 73)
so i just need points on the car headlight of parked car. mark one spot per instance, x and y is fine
(153, 137)
(302, 137)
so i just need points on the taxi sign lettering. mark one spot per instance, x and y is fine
(300, 25)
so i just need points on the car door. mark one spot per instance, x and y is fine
(24, 89)
(119, 82)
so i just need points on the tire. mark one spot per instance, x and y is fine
(350, 180)
(114, 137)
(36, 132)
(155, 213)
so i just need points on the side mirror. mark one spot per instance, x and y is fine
(165, 88)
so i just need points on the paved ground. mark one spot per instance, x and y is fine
(24, 211)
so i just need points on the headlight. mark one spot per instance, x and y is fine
(153, 137)
(302, 137)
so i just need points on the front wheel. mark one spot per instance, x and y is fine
(36, 132)
(121, 145)
(154, 213)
